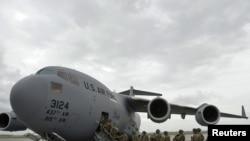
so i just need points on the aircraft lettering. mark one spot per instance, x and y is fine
(65, 114)
(92, 87)
(101, 90)
(49, 118)
(89, 86)
(62, 120)
(57, 104)
(52, 112)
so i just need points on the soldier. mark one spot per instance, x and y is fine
(152, 137)
(180, 136)
(123, 137)
(113, 132)
(166, 136)
(195, 135)
(200, 135)
(144, 136)
(134, 137)
(108, 125)
(157, 136)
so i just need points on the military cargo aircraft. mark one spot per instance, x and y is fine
(59, 101)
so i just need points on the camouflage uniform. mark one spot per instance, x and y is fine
(114, 131)
(108, 125)
(134, 137)
(144, 136)
(180, 136)
(195, 135)
(157, 136)
(200, 135)
(123, 137)
(166, 136)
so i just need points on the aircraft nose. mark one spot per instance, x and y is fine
(28, 96)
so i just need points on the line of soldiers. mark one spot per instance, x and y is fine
(157, 136)
(113, 132)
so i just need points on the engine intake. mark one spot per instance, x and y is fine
(158, 110)
(9, 122)
(207, 115)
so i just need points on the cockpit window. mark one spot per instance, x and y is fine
(46, 72)
(56, 87)
(73, 79)
(63, 75)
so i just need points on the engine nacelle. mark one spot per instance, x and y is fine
(9, 122)
(158, 110)
(207, 115)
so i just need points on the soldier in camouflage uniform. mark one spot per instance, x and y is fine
(180, 136)
(113, 132)
(166, 136)
(123, 137)
(144, 136)
(134, 137)
(195, 135)
(157, 136)
(108, 126)
(200, 135)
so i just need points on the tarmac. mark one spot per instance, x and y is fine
(188, 138)
(14, 138)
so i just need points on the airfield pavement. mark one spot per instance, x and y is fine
(15, 139)
(187, 136)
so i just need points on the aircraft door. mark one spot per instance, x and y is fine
(104, 117)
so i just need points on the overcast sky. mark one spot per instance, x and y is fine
(192, 51)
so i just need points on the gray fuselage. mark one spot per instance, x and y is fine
(69, 103)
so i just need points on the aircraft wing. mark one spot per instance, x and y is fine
(140, 105)
(243, 114)
(177, 109)
(159, 110)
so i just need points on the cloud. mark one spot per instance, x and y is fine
(7, 78)
(194, 99)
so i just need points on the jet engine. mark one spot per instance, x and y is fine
(9, 122)
(207, 115)
(158, 110)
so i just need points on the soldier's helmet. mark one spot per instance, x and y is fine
(194, 130)
(181, 131)
(165, 132)
(158, 131)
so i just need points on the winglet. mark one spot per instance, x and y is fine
(243, 113)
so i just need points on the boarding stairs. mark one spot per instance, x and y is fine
(47, 137)
(103, 135)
